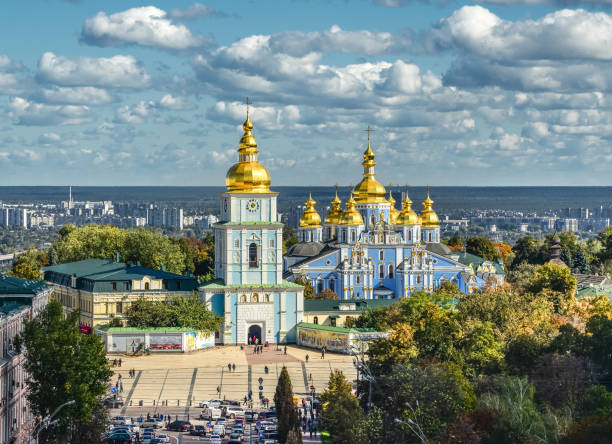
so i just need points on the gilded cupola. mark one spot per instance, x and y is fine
(369, 190)
(407, 216)
(310, 218)
(335, 214)
(394, 211)
(429, 218)
(351, 216)
(248, 175)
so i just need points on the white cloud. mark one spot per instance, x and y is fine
(146, 26)
(9, 65)
(48, 138)
(115, 72)
(83, 95)
(175, 103)
(267, 117)
(24, 112)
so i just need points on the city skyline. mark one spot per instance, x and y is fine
(505, 92)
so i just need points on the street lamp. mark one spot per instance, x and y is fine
(47, 420)
(414, 426)
(363, 370)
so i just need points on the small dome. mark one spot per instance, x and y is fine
(351, 216)
(310, 218)
(248, 175)
(335, 214)
(369, 190)
(407, 216)
(394, 211)
(429, 218)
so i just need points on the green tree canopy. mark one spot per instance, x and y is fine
(483, 247)
(65, 365)
(28, 264)
(340, 410)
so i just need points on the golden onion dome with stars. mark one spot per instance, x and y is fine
(394, 213)
(429, 218)
(248, 175)
(407, 216)
(351, 216)
(369, 190)
(310, 218)
(335, 214)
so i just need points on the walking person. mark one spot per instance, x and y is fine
(233, 367)
(229, 367)
(285, 350)
(307, 357)
(119, 362)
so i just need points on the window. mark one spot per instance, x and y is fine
(253, 255)
(267, 298)
(119, 307)
(243, 298)
(381, 271)
(390, 271)
(114, 285)
(146, 285)
(343, 236)
(319, 285)
(373, 220)
(165, 285)
(418, 278)
(352, 236)
(178, 285)
(315, 320)
(237, 243)
(255, 298)
(127, 285)
(381, 255)
(332, 322)
(271, 243)
(358, 279)
(332, 285)
(409, 235)
(430, 238)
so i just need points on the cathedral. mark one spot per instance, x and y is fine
(369, 250)
(372, 250)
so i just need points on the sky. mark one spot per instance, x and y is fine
(119, 92)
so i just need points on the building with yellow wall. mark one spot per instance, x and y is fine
(102, 289)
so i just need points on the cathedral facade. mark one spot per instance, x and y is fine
(372, 250)
(248, 289)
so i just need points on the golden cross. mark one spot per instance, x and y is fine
(369, 130)
(248, 102)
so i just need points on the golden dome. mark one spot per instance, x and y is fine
(351, 216)
(248, 175)
(407, 216)
(310, 218)
(394, 211)
(369, 190)
(429, 218)
(335, 214)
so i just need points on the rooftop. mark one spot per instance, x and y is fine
(471, 259)
(220, 284)
(334, 305)
(108, 329)
(15, 285)
(108, 270)
(336, 329)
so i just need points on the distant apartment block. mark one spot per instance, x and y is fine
(11, 216)
(165, 217)
(103, 289)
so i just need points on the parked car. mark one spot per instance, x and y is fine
(250, 415)
(154, 423)
(235, 438)
(121, 420)
(211, 413)
(147, 438)
(198, 430)
(179, 425)
(214, 439)
(210, 403)
(113, 402)
(219, 429)
(118, 438)
(163, 437)
(234, 412)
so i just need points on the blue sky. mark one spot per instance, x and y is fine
(505, 92)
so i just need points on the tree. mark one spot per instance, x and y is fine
(555, 278)
(528, 250)
(340, 410)
(289, 238)
(483, 247)
(309, 291)
(455, 243)
(28, 264)
(285, 408)
(63, 365)
(327, 294)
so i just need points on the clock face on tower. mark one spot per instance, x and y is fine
(252, 205)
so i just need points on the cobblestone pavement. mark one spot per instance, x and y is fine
(181, 381)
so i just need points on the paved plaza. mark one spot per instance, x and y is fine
(179, 381)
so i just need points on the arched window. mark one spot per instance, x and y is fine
(255, 297)
(430, 237)
(332, 285)
(319, 285)
(418, 278)
(409, 235)
(315, 320)
(343, 236)
(381, 255)
(243, 298)
(358, 279)
(267, 298)
(146, 285)
(381, 271)
(390, 271)
(253, 255)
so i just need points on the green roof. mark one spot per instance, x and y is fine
(15, 285)
(595, 290)
(220, 284)
(108, 270)
(336, 329)
(334, 305)
(471, 259)
(143, 330)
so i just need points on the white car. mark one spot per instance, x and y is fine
(233, 412)
(214, 439)
(146, 438)
(163, 437)
(121, 420)
(210, 403)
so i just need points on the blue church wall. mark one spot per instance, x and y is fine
(277, 317)
(218, 304)
(271, 276)
(234, 305)
(236, 277)
(291, 317)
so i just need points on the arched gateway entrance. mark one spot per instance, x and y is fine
(254, 332)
